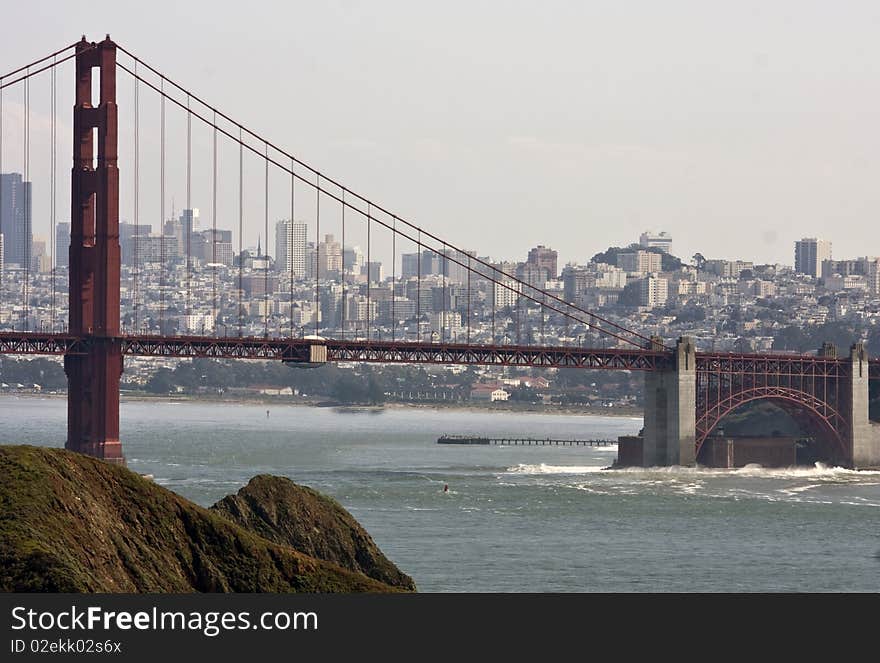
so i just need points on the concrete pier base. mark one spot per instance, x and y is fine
(864, 440)
(670, 410)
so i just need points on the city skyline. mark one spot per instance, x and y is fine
(660, 240)
(593, 136)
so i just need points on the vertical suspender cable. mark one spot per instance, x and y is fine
(162, 237)
(266, 257)
(494, 300)
(240, 223)
(28, 229)
(419, 289)
(188, 214)
(214, 226)
(469, 299)
(542, 318)
(445, 319)
(52, 182)
(2, 263)
(288, 239)
(393, 277)
(135, 258)
(317, 249)
(369, 268)
(343, 265)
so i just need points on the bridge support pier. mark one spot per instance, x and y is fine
(670, 409)
(864, 441)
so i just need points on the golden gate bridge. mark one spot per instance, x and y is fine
(687, 392)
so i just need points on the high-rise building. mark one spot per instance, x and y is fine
(532, 274)
(425, 263)
(663, 241)
(353, 259)
(155, 248)
(374, 272)
(809, 253)
(541, 256)
(454, 265)
(653, 291)
(127, 232)
(41, 261)
(576, 280)
(62, 244)
(213, 247)
(329, 258)
(15, 218)
(290, 247)
(640, 262)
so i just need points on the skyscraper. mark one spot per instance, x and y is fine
(290, 247)
(15, 218)
(663, 241)
(62, 244)
(809, 254)
(541, 256)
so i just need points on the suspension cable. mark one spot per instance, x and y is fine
(54, 55)
(243, 129)
(35, 72)
(368, 214)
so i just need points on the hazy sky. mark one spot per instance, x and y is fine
(739, 127)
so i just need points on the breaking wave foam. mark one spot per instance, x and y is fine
(543, 468)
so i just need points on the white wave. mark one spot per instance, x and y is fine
(818, 471)
(800, 489)
(543, 468)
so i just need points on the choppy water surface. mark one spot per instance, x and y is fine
(515, 518)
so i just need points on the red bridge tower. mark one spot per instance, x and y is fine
(93, 379)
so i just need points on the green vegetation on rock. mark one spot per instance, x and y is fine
(297, 516)
(72, 523)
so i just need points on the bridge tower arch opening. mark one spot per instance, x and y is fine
(771, 430)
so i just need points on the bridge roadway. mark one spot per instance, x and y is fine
(306, 350)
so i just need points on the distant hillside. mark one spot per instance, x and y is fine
(71, 523)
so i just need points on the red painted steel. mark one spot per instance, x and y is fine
(93, 350)
(93, 378)
(807, 384)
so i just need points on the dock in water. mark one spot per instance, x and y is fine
(522, 441)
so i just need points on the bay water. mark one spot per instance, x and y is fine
(515, 518)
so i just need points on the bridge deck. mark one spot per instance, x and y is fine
(297, 350)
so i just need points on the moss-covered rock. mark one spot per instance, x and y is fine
(71, 523)
(297, 516)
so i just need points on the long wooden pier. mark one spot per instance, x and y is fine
(522, 441)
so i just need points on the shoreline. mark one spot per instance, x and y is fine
(130, 397)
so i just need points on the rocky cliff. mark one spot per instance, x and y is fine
(71, 523)
(292, 515)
